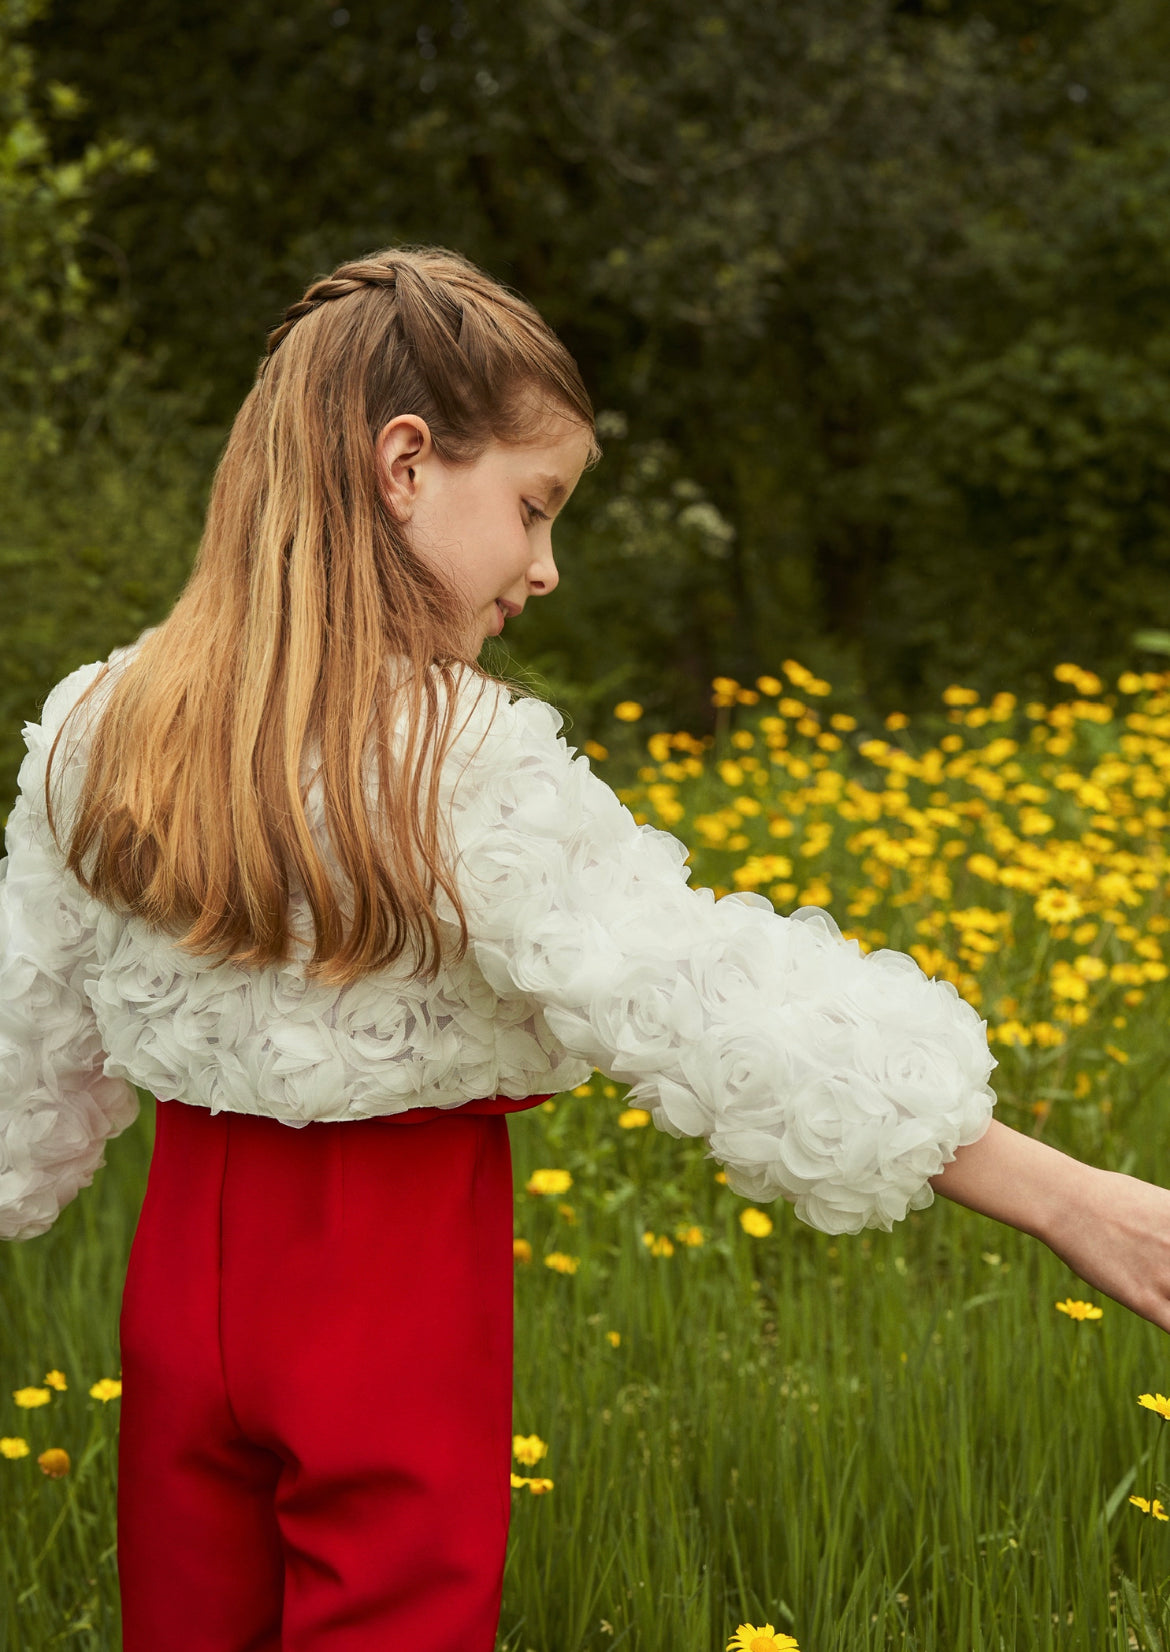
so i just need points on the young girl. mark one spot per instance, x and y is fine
(295, 864)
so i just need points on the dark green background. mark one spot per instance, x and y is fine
(872, 298)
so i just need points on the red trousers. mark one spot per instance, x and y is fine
(317, 1385)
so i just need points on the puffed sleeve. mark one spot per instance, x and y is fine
(57, 1107)
(839, 1080)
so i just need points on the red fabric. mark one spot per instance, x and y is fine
(317, 1385)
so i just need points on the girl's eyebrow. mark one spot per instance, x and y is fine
(557, 491)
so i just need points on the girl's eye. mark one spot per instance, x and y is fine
(535, 514)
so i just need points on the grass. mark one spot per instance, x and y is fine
(879, 1441)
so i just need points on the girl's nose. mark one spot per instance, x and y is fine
(543, 577)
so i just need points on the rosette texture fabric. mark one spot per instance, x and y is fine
(837, 1080)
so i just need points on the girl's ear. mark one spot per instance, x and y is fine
(400, 447)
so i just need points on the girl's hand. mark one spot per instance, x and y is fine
(1116, 1237)
(1112, 1230)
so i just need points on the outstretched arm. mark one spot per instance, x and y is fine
(1112, 1230)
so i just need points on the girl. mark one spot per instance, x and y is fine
(347, 903)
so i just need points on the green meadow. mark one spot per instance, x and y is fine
(864, 1442)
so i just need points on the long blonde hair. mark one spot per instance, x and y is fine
(303, 592)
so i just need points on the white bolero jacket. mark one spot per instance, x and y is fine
(814, 1072)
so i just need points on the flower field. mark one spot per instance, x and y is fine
(731, 1429)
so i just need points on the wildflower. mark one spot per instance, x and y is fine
(627, 711)
(56, 1379)
(755, 1222)
(528, 1448)
(689, 1235)
(769, 685)
(539, 1487)
(560, 1263)
(12, 1447)
(721, 1177)
(897, 720)
(1117, 1055)
(1155, 1508)
(634, 1118)
(105, 1389)
(1078, 1310)
(1057, 906)
(521, 1250)
(594, 749)
(28, 1398)
(1156, 1402)
(613, 1338)
(658, 1245)
(748, 1638)
(54, 1463)
(549, 1181)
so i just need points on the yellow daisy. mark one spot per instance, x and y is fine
(549, 1181)
(106, 1388)
(28, 1398)
(748, 1638)
(10, 1446)
(1078, 1310)
(54, 1463)
(56, 1379)
(528, 1448)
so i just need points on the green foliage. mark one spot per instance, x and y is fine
(886, 283)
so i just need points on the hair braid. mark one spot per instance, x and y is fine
(347, 279)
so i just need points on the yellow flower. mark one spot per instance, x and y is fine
(549, 1181)
(105, 1389)
(560, 1263)
(1118, 1055)
(755, 1222)
(521, 1250)
(29, 1398)
(528, 1448)
(539, 1487)
(689, 1235)
(54, 1463)
(658, 1245)
(613, 1338)
(748, 1638)
(769, 685)
(10, 1446)
(56, 1379)
(897, 720)
(1156, 1402)
(593, 749)
(721, 1177)
(1078, 1310)
(634, 1118)
(627, 711)
(1057, 906)
(1155, 1508)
